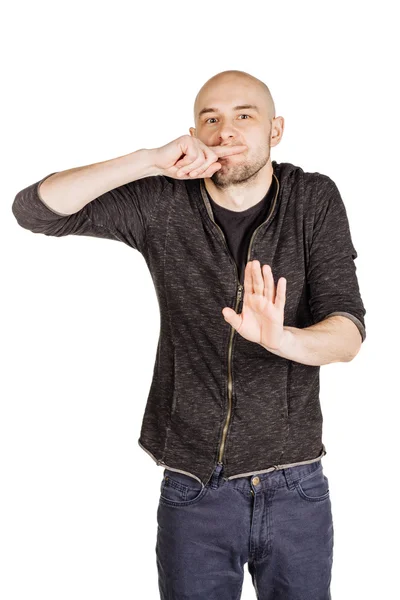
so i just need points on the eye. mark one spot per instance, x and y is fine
(242, 115)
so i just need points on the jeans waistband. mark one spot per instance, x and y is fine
(274, 477)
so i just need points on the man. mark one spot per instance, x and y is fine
(253, 266)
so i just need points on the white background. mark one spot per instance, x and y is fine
(90, 81)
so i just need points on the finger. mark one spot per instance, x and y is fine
(200, 171)
(231, 317)
(196, 164)
(189, 158)
(269, 285)
(281, 293)
(248, 282)
(258, 281)
(228, 150)
(210, 171)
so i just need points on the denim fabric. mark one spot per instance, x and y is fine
(279, 523)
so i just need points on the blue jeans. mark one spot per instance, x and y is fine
(279, 522)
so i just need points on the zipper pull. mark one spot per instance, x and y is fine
(240, 291)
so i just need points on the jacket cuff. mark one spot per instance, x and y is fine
(356, 321)
(43, 202)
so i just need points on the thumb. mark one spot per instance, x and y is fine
(232, 317)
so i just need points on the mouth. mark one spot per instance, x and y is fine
(230, 156)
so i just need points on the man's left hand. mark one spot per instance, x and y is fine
(262, 316)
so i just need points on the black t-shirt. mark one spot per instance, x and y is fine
(238, 226)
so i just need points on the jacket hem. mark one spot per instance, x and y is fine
(277, 467)
(250, 473)
(162, 464)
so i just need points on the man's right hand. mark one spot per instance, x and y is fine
(189, 158)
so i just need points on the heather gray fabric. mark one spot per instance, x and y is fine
(276, 417)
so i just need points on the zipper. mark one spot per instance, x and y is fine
(239, 297)
(267, 219)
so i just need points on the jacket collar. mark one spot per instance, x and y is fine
(198, 187)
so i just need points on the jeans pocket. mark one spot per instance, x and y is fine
(314, 487)
(178, 489)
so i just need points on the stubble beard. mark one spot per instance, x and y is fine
(235, 175)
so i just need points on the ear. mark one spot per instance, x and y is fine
(192, 131)
(278, 126)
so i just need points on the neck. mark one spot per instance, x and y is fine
(241, 196)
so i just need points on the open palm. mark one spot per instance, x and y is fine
(262, 316)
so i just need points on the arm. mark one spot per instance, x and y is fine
(67, 192)
(332, 281)
(112, 199)
(333, 294)
(333, 291)
(335, 339)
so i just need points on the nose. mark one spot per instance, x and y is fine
(226, 133)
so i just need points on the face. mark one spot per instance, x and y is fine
(232, 122)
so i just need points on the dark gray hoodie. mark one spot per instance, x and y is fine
(216, 397)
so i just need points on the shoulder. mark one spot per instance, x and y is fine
(296, 176)
(312, 191)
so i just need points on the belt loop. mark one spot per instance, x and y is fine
(289, 478)
(215, 476)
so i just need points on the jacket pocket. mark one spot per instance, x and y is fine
(195, 398)
(267, 383)
(174, 395)
(260, 422)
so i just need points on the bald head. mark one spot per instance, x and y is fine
(225, 82)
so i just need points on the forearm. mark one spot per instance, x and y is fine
(69, 191)
(335, 339)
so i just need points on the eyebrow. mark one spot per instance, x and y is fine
(240, 107)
